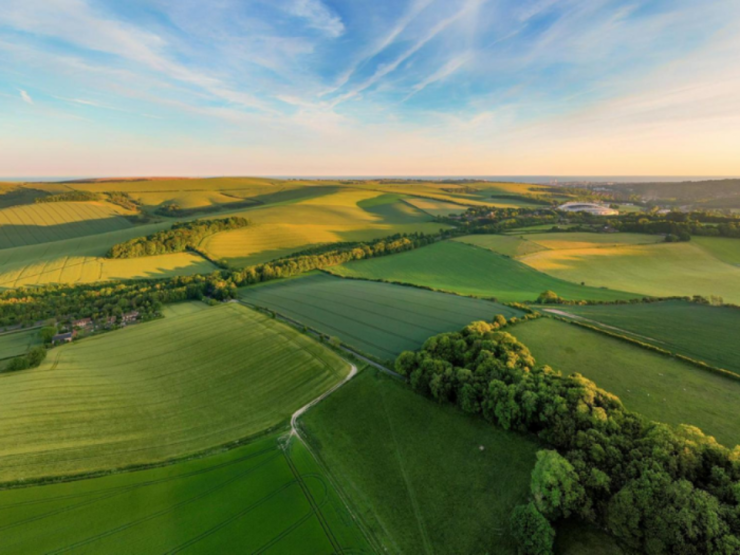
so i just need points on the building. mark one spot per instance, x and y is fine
(63, 338)
(589, 208)
(82, 323)
(130, 317)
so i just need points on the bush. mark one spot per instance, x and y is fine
(532, 531)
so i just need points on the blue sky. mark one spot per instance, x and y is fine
(321, 87)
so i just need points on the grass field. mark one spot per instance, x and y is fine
(469, 270)
(661, 388)
(415, 470)
(55, 221)
(379, 319)
(158, 390)
(17, 343)
(698, 331)
(664, 269)
(345, 215)
(184, 308)
(435, 207)
(502, 244)
(253, 499)
(725, 249)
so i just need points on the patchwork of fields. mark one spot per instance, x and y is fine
(17, 343)
(204, 379)
(659, 387)
(662, 270)
(425, 478)
(55, 221)
(257, 498)
(702, 332)
(379, 319)
(468, 270)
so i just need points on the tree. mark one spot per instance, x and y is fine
(532, 531)
(47, 334)
(555, 486)
(548, 297)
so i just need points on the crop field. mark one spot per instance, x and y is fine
(379, 319)
(205, 379)
(424, 478)
(468, 270)
(664, 269)
(435, 207)
(347, 215)
(184, 308)
(81, 260)
(659, 387)
(261, 497)
(15, 343)
(701, 332)
(55, 221)
(502, 244)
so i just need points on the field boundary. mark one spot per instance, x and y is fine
(648, 346)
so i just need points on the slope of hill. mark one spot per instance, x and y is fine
(158, 390)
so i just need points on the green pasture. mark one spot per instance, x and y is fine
(425, 478)
(661, 270)
(435, 207)
(468, 270)
(158, 390)
(184, 308)
(702, 332)
(724, 248)
(506, 245)
(262, 497)
(659, 387)
(15, 343)
(379, 319)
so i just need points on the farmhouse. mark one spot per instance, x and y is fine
(83, 323)
(63, 337)
(130, 317)
(589, 207)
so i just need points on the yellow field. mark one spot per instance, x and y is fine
(663, 269)
(436, 207)
(346, 215)
(564, 241)
(55, 221)
(81, 260)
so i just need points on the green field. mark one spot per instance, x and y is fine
(661, 270)
(158, 390)
(659, 387)
(435, 207)
(17, 343)
(698, 331)
(379, 319)
(257, 498)
(183, 309)
(502, 244)
(468, 270)
(55, 221)
(415, 470)
(725, 249)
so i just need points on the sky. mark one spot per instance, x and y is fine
(369, 87)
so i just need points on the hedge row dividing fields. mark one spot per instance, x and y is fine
(261, 497)
(379, 319)
(157, 391)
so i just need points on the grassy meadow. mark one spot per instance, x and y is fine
(698, 331)
(261, 497)
(659, 387)
(158, 390)
(32, 224)
(724, 248)
(415, 470)
(468, 270)
(379, 319)
(664, 269)
(15, 343)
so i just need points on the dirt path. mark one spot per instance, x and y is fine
(597, 323)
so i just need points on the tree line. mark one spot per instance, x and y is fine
(71, 196)
(658, 489)
(29, 305)
(180, 237)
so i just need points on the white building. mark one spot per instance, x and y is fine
(590, 207)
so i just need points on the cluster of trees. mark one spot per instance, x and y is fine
(123, 199)
(71, 196)
(33, 358)
(657, 489)
(180, 237)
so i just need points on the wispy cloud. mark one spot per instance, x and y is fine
(25, 97)
(317, 15)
